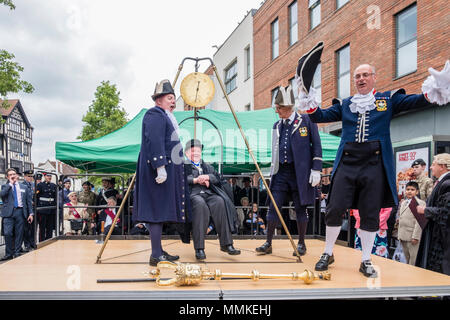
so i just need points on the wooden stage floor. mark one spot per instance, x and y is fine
(66, 269)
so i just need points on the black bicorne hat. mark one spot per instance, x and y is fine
(162, 88)
(307, 66)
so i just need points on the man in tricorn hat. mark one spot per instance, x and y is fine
(296, 166)
(159, 194)
(208, 200)
(363, 173)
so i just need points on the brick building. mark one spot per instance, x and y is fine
(401, 38)
(378, 32)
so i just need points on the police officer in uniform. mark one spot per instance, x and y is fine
(28, 236)
(425, 183)
(46, 197)
(296, 166)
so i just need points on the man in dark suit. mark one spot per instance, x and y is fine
(296, 166)
(17, 207)
(29, 227)
(434, 250)
(208, 200)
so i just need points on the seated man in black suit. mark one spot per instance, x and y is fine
(208, 200)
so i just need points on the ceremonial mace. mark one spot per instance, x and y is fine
(187, 274)
(255, 162)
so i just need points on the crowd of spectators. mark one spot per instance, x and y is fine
(87, 212)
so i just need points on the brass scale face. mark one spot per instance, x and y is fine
(197, 89)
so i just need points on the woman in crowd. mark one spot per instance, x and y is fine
(73, 217)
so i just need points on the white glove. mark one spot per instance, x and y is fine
(314, 178)
(162, 175)
(306, 102)
(437, 85)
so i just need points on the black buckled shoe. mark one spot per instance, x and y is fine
(230, 250)
(301, 248)
(367, 269)
(324, 261)
(200, 254)
(170, 257)
(6, 258)
(266, 248)
(154, 261)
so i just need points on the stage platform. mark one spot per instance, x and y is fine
(66, 269)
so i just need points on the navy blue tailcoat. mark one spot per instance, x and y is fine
(373, 125)
(306, 151)
(160, 146)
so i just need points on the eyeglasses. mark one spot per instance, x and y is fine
(364, 75)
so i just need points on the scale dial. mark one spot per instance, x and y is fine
(197, 89)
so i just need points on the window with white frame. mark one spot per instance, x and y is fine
(293, 23)
(15, 145)
(247, 63)
(231, 77)
(343, 72)
(275, 39)
(15, 125)
(340, 3)
(314, 13)
(406, 41)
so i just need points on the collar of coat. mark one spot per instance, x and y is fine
(297, 122)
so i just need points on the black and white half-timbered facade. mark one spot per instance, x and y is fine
(16, 138)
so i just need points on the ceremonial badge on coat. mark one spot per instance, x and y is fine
(381, 105)
(303, 131)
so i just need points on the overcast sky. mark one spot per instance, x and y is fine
(68, 47)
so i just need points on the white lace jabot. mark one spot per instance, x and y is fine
(363, 102)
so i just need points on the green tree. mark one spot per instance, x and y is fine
(104, 114)
(8, 3)
(10, 70)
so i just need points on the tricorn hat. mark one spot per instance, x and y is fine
(284, 96)
(193, 143)
(307, 66)
(162, 88)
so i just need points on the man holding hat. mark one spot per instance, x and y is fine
(208, 200)
(296, 166)
(425, 183)
(434, 250)
(159, 194)
(363, 173)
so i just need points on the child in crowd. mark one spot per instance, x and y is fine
(409, 230)
(380, 245)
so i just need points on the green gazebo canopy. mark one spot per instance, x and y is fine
(117, 152)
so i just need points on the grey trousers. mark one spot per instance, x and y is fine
(205, 206)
